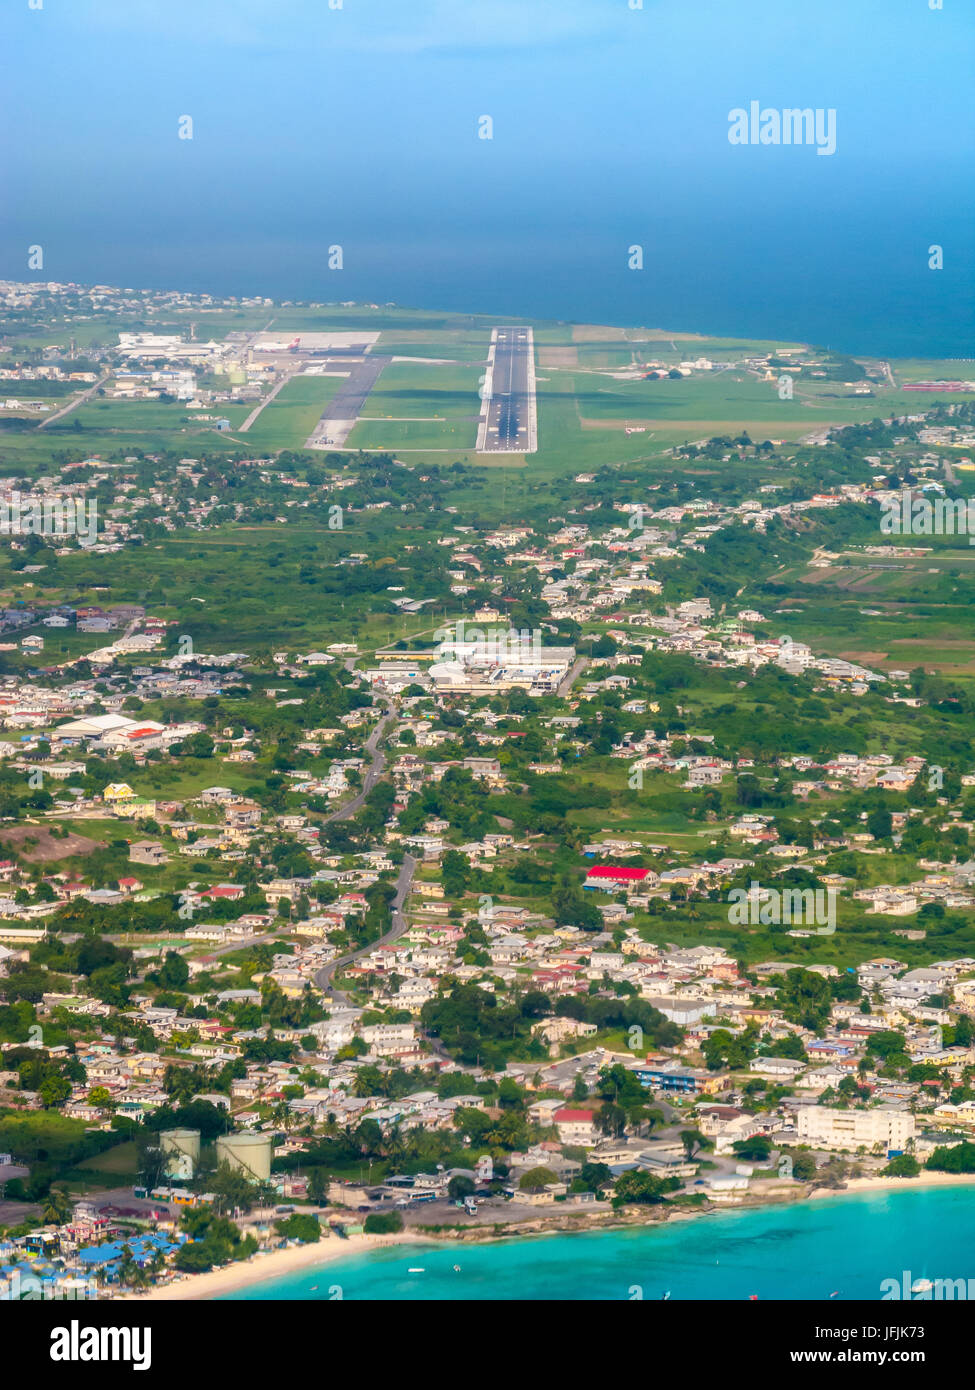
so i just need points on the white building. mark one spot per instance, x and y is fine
(885, 1127)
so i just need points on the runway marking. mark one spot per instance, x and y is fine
(509, 417)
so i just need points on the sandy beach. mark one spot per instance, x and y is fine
(279, 1263)
(879, 1184)
(274, 1265)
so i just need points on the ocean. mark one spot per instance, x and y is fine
(506, 159)
(870, 294)
(815, 1250)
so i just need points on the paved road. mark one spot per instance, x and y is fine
(508, 419)
(405, 880)
(571, 676)
(374, 772)
(73, 405)
(404, 883)
(242, 429)
(342, 411)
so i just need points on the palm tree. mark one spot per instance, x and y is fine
(394, 1146)
(128, 1270)
(57, 1207)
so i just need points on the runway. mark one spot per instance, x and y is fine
(342, 411)
(509, 422)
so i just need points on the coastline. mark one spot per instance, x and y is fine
(854, 1186)
(278, 1264)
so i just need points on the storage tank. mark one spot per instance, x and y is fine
(249, 1153)
(182, 1148)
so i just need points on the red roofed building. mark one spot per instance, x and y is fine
(565, 979)
(575, 1126)
(610, 877)
(232, 891)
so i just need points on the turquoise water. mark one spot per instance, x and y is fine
(845, 1245)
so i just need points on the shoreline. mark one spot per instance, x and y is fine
(855, 1186)
(278, 1264)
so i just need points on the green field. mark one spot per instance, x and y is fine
(428, 408)
(290, 418)
(421, 406)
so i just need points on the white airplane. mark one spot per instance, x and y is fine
(279, 347)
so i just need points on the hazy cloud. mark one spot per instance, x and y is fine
(390, 26)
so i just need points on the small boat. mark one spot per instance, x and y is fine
(314, 1288)
(753, 1298)
(416, 1269)
(835, 1293)
(665, 1297)
(922, 1286)
(456, 1269)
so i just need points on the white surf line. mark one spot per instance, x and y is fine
(482, 429)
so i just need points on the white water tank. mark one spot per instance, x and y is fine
(182, 1150)
(249, 1153)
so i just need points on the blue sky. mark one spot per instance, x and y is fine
(357, 126)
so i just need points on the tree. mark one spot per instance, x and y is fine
(454, 873)
(54, 1092)
(57, 1207)
(301, 1227)
(592, 1177)
(128, 1270)
(101, 1097)
(194, 1257)
(195, 746)
(383, 1223)
(903, 1166)
(232, 1191)
(724, 1049)
(755, 1149)
(693, 1139)
(636, 1186)
(536, 1179)
(805, 998)
(174, 973)
(886, 1042)
(611, 1120)
(151, 1164)
(956, 1158)
(571, 908)
(803, 1167)
(318, 1182)
(460, 1186)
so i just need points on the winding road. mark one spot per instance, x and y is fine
(375, 770)
(404, 883)
(323, 979)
